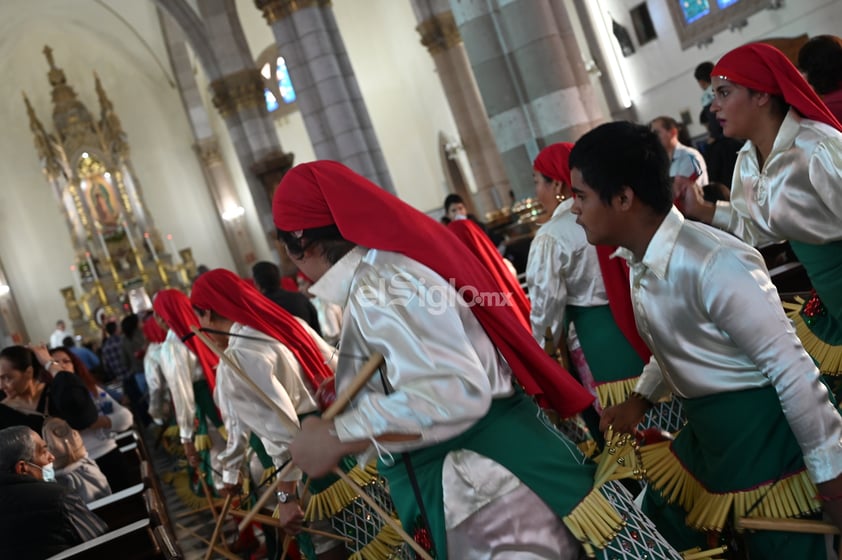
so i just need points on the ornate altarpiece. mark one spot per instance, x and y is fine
(119, 255)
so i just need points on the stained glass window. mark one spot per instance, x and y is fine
(694, 9)
(284, 82)
(725, 3)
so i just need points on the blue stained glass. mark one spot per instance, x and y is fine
(284, 82)
(725, 3)
(694, 10)
(271, 102)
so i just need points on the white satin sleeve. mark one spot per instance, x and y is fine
(179, 363)
(547, 286)
(432, 348)
(727, 217)
(651, 383)
(154, 381)
(267, 367)
(730, 294)
(231, 458)
(825, 171)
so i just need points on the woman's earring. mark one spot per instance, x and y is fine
(559, 197)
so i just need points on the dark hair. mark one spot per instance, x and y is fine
(821, 59)
(79, 367)
(16, 444)
(452, 199)
(327, 238)
(777, 102)
(21, 358)
(129, 325)
(266, 275)
(111, 328)
(68, 341)
(637, 160)
(214, 316)
(702, 71)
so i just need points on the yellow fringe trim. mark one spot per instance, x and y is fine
(223, 432)
(171, 431)
(619, 460)
(202, 442)
(594, 522)
(792, 496)
(339, 495)
(828, 356)
(267, 474)
(615, 392)
(180, 481)
(381, 547)
(698, 554)
(588, 448)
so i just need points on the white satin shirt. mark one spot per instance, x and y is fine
(797, 195)
(705, 305)
(274, 368)
(562, 269)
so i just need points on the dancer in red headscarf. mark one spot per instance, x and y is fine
(571, 281)
(284, 357)
(188, 366)
(447, 401)
(787, 182)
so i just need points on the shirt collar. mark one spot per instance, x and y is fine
(659, 250)
(786, 133)
(335, 285)
(565, 205)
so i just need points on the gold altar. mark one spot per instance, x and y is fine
(120, 258)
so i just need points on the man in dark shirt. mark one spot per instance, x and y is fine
(267, 277)
(37, 518)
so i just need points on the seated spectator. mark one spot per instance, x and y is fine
(820, 61)
(267, 278)
(87, 356)
(97, 437)
(684, 160)
(37, 518)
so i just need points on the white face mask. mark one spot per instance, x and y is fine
(48, 472)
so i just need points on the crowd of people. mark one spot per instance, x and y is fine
(645, 280)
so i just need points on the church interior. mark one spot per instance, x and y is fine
(144, 138)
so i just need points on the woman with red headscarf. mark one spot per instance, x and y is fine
(465, 450)
(284, 357)
(571, 281)
(787, 182)
(188, 365)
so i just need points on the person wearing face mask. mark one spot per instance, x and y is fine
(37, 518)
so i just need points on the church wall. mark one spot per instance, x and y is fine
(34, 240)
(660, 74)
(403, 94)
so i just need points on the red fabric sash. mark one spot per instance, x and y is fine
(324, 193)
(478, 242)
(175, 309)
(237, 300)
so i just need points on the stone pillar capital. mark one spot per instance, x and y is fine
(238, 91)
(208, 151)
(275, 10)
(439, 32)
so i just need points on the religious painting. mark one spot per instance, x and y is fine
(102, 201)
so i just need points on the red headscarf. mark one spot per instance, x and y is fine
(324, 193)
(230, 296)
(764, 68)
(554, 162)
(175, 309)
(153, 331)
(478, 242)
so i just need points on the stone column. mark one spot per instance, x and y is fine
(531, 76)
(217, 176)
(328, 95)
(440, 35)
